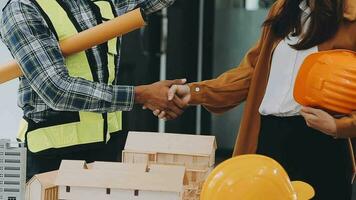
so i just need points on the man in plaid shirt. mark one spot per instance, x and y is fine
(47, 89)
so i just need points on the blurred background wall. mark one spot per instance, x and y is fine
(226, 30)
(9, 112)
(236, 30)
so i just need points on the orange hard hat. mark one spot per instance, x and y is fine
(327, 80)
(253, 177)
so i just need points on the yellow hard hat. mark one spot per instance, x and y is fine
(253, 177)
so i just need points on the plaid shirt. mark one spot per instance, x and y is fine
(46, 87)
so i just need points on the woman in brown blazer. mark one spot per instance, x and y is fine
(312, 145)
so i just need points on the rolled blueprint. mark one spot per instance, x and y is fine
(86, 39)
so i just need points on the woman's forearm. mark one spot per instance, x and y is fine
(346, 126)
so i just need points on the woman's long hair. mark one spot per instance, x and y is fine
(325, 19)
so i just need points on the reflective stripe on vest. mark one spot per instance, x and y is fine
(90, 127)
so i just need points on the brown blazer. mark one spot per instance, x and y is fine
(248, 82)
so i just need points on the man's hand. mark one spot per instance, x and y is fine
(319, 120)
(155, 97)
(180, 91)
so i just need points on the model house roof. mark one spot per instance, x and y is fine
(118, 166)
(122, 176)
(47, 180)
(170, 143)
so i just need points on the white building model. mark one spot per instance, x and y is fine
(196, 153)
(12, 170)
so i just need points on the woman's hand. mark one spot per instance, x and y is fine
(319, 120)
(176, 91)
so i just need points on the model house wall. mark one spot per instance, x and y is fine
(196, 153)
(106, 181)
(12, 170)
(77, 193)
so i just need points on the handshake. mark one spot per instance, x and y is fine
(166, 99)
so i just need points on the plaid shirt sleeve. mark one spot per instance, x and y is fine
(148, 6)
(36, 49)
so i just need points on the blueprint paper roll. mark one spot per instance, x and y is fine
(99, 34)
(84, 40)
(9, 71)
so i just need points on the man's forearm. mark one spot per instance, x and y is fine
(139, 95)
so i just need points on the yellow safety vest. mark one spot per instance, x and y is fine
(70, 129)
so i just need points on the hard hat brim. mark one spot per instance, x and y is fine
(304, 190)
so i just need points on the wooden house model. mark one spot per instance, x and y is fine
(196, 153)
(42, 187)
(109, 181)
